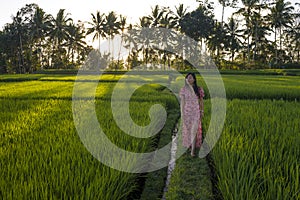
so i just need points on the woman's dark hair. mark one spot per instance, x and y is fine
(195, 86)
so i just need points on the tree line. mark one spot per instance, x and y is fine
(259, 34)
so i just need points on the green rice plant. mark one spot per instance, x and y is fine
(41, 155)
(257, 156)
(262, 87)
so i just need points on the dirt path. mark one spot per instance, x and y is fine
(188, 177)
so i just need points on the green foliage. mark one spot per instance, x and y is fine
(257, 156)
(155, 181)
(190, 179)
(201, 17)
(41, 154)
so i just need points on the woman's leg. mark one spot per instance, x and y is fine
(194, 130)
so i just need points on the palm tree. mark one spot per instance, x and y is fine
(59, 33)
(294, 34)
(18, 30)
(131, 44)
(166, 36)
(39, 27)
(261, 43)
(226, 3)
(178, 15)
(156, 15)
(249, 9)
(59, 27)
(259, 27)
(144, 38)
(280, 18)
(233, 35)
(216, 41)
(76, 41)
(122, 29)
(98, 27)
(168, 20)
(112, 27)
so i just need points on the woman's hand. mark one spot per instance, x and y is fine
(201, 113)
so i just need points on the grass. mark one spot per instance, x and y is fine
(257, 156)
(42, 156)
(190, 179)
(155, 181)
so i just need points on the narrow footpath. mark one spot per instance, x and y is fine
(188, 177)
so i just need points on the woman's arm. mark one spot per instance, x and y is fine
(182, 104)
(201, 102)
(201, 106)
(182, 101)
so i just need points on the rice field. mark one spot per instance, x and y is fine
(258, 153)
(42, 156)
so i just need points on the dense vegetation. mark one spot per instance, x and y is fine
(41, 155)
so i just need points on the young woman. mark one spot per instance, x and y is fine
(191, 104)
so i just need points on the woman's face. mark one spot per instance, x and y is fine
(190, 79)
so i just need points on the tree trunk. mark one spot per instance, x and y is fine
(255, 43)
(280, 45)
(223, 7)
(99, 44)
(119, 53)
(21, 54)
(276, 53)
(298, 55)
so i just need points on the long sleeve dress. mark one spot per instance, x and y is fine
(191, 116)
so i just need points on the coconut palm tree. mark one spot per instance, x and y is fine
(144, 38)
(58, 34)
(76, 41)
(112, 28)
(97, 27)
(122, 29)
(293, 33)
(226, 3)
(249, 9)
(159, 17)
(233, 37)
(280, 18)
(131, 44)
(39, 28)
(179, 14)
(260, 35)
(166, 35)
(18, 26)
(59, 27)
(156, 16)
(216, 41)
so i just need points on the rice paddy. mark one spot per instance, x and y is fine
(42, 156)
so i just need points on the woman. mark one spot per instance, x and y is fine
(192, 112)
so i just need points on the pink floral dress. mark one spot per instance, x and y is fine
(191, 116)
